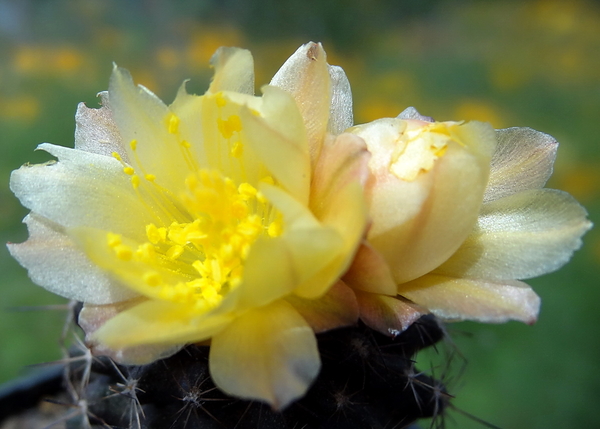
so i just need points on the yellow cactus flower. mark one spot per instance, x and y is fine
(458, 214)
(221, 217)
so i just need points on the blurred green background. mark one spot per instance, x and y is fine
(512, 63)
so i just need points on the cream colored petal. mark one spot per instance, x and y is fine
(158, 323)
(234, 71)
(278, 138)
(522, 160)
(340, 111)
(521, 236)
(92, 317)
(305, 75)
(96, 130)
(419, 224)
(54, 262)
(82, 189)
(456, 299)
(142, 116)
(386, 314)
(338, 307)
(369, 272)
(268, 354)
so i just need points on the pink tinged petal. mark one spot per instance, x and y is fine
(92, 317)
(455, 299)
(305, 75)
(419, 224)
(96, 130)
(340, 111)
(55, 262)
(369, 272)
(158, 323)
(521, 236)
(277, 137)
(386, 314)
(268, 354)
(81, 183)
(522, 160)
(142, 117)
(234, 71)
(338, 307)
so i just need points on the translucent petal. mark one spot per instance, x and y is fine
(96, 130)
(55, 262)
(305, 75)
(386, 314)
(522, 160)
(486, 301)
(412, 113)
(521, 236)
(338, 307)
(92, 317)
(340, 111)
(269, 354)
(81, 184)
(155, 322)
(234, 71)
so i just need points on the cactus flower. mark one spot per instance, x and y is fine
(220, 218)
(459, 215)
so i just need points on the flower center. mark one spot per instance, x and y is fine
(419, 148)
(214, 225)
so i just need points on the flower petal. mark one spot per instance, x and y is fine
(386, 314)
(340, 111)
(234, 71)
(81, 183)
(278, 137)
(412, 113)
(522, 160)
(55, 262)
(154, 322)
(455, 299)
(92, 317)
(305, 75)
(338, 307)
(369, 272)
(96, 130)
(269, 353)
(142, 118)
(521, 236)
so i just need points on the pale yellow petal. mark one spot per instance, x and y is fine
(234, 71)
(57, 264)
(92, 317)
(81, 183)
(278, 138)
(521, 236)
(268, 354)
(338, 307)
(159, 323)
(386, 314)
(369, 272)
(96, 130)
(305, 75)
(522, 160)
(144, 119)
(486, 301)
